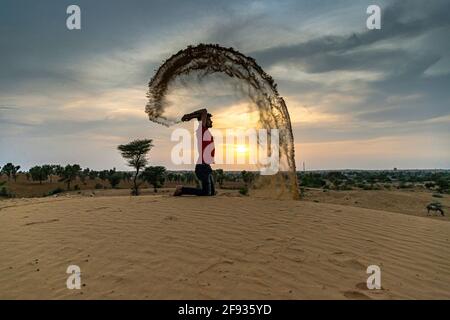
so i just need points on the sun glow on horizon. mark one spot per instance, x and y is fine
(240, 148)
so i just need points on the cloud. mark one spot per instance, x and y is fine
(399, 21)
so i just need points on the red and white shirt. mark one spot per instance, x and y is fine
(205, 145)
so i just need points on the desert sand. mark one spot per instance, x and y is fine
(224, 247)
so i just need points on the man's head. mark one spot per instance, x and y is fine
(209, 122)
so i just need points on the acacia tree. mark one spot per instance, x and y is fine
(15, 171)
(70, 173)
(93, 174)
(154, 176)
(38, 173)
(10, 170)
(48, 170)
(58, 170)
(135, 153)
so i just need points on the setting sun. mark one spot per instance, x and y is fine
(241, 148)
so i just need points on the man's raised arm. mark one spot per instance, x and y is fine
(200, 115)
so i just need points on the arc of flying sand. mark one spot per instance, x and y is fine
(206, 59)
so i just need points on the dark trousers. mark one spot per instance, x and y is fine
(204, 174)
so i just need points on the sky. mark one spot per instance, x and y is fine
(357, 98)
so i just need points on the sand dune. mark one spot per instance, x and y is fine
(227, 247)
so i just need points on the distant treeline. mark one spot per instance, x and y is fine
(438, 180)
(156, 176)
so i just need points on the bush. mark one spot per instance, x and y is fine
(98, 186)
(429, 185)
(443, 185)
(55, 191)
(5, 193)
(404, 185)
(76, 187)
(312, 180)
(244, 191)
(114, 179)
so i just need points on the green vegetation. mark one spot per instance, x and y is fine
(135, 153)
(10, 170)
(70, 173)
(39, 173)
(114, 178)
(437, 182)
(244, 191)
(154, 176)
(248, 177)
(219, 176)
(434, 180)
(55, 191)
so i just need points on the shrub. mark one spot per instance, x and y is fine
(55, 191)
(244, 191)
(154, 176)
(5, 193)
(404, 185)
(98, 186)
(429, 185)
(114, 178)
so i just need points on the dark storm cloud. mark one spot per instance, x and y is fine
(398, 21)
(400, 53)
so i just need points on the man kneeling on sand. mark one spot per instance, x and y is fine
(205, 147)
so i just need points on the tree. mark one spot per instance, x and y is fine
(70, 173)
(84, 174)
(10, 170)
(48, 170)
(220, 176)
(38, 173)
(93, 174)
(171, 176)
(58, 170)
(126, 176)
(15, 172)
(189, 177)
(247, 177)
(135, 153)
(443, 185)
(114, 178)
(103, 175)
(154, 176)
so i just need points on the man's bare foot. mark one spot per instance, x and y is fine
(177, 191)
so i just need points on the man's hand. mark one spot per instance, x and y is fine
(196, 114)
